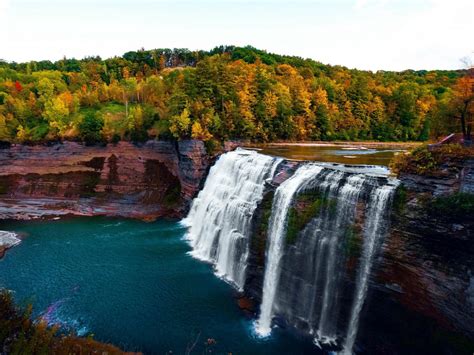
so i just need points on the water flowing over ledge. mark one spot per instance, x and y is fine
(375, 227)
(304, 278)
(219, 219)
(281, 204)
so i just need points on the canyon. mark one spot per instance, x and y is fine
(349, 256)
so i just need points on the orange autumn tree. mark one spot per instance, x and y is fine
(463, 102)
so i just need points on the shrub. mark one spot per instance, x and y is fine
(20, 335)
(427, 161)
(353, 241)
(212, 146)
(259, 242)
(306, 206)
(90, 128)
(400, 198)
(458, 207)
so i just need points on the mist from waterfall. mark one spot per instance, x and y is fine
(220, 216)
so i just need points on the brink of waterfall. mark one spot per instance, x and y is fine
(220, 217)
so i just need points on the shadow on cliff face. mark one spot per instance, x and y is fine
(422, 298)
(154, 179)
(162, 187)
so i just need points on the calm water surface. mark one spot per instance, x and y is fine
(350, 154)
(132, 284)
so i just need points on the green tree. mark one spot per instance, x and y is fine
(90, 128)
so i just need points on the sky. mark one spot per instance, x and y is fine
(363, 34)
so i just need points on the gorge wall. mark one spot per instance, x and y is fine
(423, 288)
(149, 180)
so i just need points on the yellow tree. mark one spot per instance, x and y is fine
(56, 113)
(4, 134)
(198, 132)
(179, 127)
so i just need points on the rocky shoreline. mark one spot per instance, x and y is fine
(7, 241)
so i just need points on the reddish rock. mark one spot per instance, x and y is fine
(146, 181)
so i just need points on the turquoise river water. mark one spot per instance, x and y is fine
(132, 284)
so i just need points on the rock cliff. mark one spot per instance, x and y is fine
(146, 181)
(423, 290)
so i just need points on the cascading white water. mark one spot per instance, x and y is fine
(276, 233)
(374, 225)
(220, 216)
(347, 197)
(303, 281)
(311, 298)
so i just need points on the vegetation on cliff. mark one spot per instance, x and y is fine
(307, 205)
(20, 335)
(457, 207)
(226, 93)
(428, 161)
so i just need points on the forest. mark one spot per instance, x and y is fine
(226, 93)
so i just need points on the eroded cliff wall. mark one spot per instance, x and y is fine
(149, 180)
(423, 290)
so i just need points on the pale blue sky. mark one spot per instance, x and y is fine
(366, 34)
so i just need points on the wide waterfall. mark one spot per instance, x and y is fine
(220, 217)
(304, 280)
(315, 276)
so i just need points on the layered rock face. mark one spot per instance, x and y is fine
(423, 291)
(420, 296)
(150, 180)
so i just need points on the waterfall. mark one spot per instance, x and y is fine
(304, 282)
(305, 275)
(374, 228)
(220, 216)
(330, 241)
(280, 206)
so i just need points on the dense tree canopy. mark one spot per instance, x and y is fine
(226, 93)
